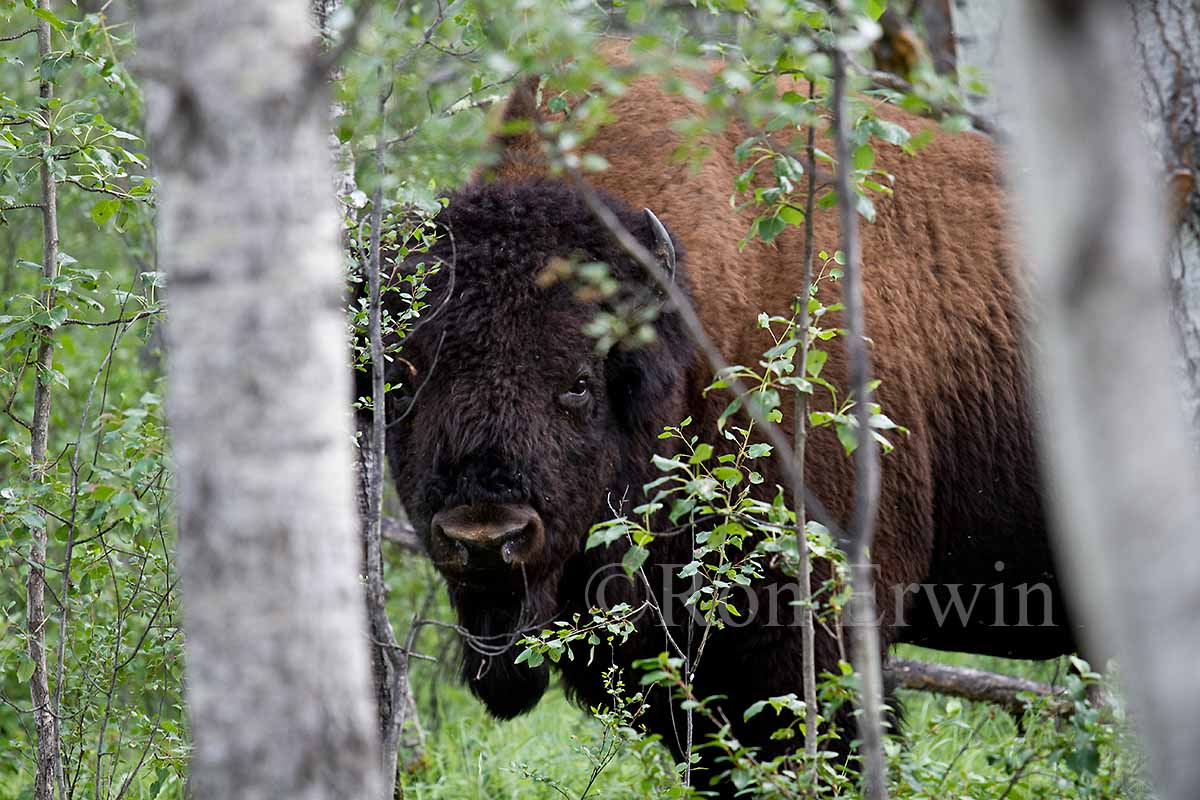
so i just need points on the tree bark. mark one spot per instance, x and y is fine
(278, 676)
(800, 438)
(1116, 447)
(1167, 38)
(864, 628)
(938, 20)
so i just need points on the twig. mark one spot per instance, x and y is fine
(118, 321)
(64, 618)
(97, 189)
(405, 60)
(456, 107)
(14, 36)
(887, 80)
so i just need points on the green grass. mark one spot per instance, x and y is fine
(471, 755)
(951, 748)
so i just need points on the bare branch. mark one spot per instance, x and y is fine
(405, 61)
(149, 312)
(14, 36)
(887, 80)
(97, 189)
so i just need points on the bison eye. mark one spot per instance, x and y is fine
(577, 396)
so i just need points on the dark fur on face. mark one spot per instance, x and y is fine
(493, 358)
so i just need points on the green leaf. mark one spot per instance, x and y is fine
(50, 319)
(791, 215)
(882, 422)
(727, 475)
(633, 559)
(25, 669)
(48, 15)
(530, 657)
(816, 360)
(680, 508)
(667, 464)
(848, 436)
(753, 710)
(103, 210)
(770, 227)
(729, 411)
(864, 157)
(703, 453)
(603, 537)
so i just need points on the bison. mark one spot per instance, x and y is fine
(522, 437)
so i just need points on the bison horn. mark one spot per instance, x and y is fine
(663, 249)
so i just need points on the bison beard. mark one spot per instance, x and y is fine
(518, 418)
(506, 688)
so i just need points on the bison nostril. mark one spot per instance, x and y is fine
(453, 553)
(520, 545)
(480, 533)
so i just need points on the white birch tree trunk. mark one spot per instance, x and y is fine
(1167, 36)
(1118, 455)
(278, 677)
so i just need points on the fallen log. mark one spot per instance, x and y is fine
(974, 684)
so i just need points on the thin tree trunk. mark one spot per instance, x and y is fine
(938, 20)
(394, 701)
(349, 197)
(1167, 36)
(807, 628)
(388, 662)
(1122, 468)
(277, 663)
(866, 644)
(48, 763)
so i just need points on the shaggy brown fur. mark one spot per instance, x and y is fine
(944, 309)
(960, 502)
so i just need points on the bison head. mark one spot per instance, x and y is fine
(514, 434)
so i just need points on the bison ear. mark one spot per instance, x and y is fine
(516, 139)
(645, 381)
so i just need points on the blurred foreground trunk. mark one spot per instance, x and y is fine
(278, 676)
(1168, 51)
(1116, 446)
